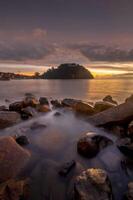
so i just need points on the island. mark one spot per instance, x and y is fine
(68, 71)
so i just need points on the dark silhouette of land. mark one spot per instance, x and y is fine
(64, 71)
(68, 71)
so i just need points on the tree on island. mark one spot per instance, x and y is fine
(68, 71)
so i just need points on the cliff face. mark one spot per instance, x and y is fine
(68, 71)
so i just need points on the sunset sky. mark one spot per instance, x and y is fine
(36, 34)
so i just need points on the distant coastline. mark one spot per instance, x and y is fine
(64, 71)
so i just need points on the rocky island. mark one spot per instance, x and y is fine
(68, 71)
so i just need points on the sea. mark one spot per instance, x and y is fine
(87, 90)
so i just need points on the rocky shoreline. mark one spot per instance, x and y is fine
(92, 183)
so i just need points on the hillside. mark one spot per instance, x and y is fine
(68, 71)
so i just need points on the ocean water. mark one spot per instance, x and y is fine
(58, 89)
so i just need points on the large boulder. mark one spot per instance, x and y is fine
(13, 158)
(118, 115)
(84, 108)
(89, 145)
(14, 190)
(78, 106)
(102, 105)
(8, 118)
(109, 99)
(92, 184)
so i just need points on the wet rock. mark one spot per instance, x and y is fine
(92, 184)
(57, 114)
(102, 105)
(70, 102)
(7, 100)
(30, 101)
(129, 194)
(3, 108)
(117, 115)
(16, 106)
(13, 158)
(130, 129)
(129, 99)
(37, 125)
(67, 167)
(56, 103)
(118, 130)
(28, 112)
(109, 99)
(43, 108)
(84, 108)
(78, 106)
(91, 144)
(43, 101)
(126, 147)
(8, 118)
(22, 140)
(14, 190)
(28, 94)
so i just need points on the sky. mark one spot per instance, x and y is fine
(36, 34)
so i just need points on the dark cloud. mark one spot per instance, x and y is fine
(103, 53)
(24, 46)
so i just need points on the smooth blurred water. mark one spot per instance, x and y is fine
(81, 89)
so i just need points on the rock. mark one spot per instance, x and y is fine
(109, 99)
(8, 118)
(37, 125)
(118, 115)
(43, 101)
(78, 106)
(30, 101)
(43, 108)
(57, 114)
(13, 158)
(17, 106)
(130, 129)
(126, 147)
(28, 94)
(3, 108)
(22, 140)
(56, 103)
(84, 108)
(14, 190)
(129, 99)
(102, 105)
(28, 112)
(89, 145)
(67, 167)
(92, 184)
(129, 194)
(70, 102)
(118, 130)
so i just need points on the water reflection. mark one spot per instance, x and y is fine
(81, 89)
